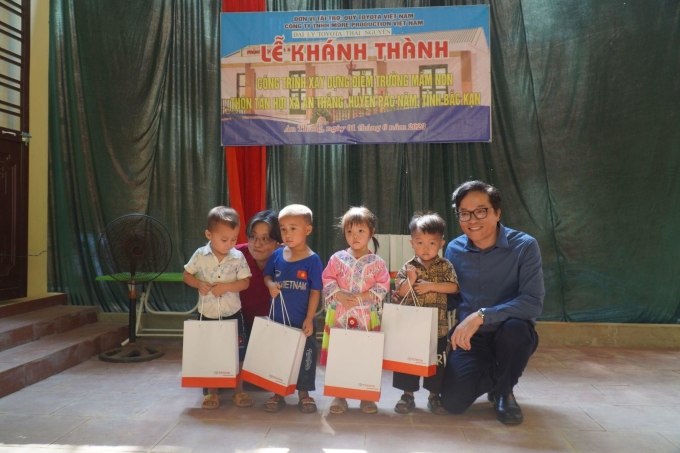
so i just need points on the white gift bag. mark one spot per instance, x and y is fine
(210, 354)
(354, 365)
(410, 338)
(274, 354)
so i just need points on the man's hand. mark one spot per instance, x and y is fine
(204, 288)
(308, 326)
(465, 330)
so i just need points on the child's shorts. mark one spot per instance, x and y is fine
(241, 329)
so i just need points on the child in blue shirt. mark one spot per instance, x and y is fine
(295, 272)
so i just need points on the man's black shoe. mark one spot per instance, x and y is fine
(507, 410)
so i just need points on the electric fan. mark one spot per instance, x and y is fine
(134, 249)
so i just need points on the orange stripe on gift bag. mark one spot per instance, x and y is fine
(211, 383)
(267, 384)
(408, 368)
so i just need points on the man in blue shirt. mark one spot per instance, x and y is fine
(501, 294)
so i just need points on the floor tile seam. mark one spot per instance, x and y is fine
(222, 421)
(548, 401)
(151, 373)
(669, 441)
(167, 433)
(76, 398)
(642, 405)
(618, 404)
(569, 386)
(464, 426)
(614, 368)
(112, 389)
(632, 431)
(72, 395)
(143, 418)
(363, 423)
(670, 414)
(86, 419)
(260, 443)
(544, 376)
(573, 447)
(641, 389)
(591, 417)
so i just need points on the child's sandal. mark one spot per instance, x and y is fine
(242, 400)
(434, 403)
(368, 407)
(210, 402)
(405, 405)
(338, 406)
(307, 405)
(275, 404)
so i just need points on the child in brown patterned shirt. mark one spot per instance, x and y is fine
(432, 278)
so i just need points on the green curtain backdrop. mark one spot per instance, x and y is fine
(134, 127)
(586, 146)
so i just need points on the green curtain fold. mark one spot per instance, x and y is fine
(134, 127)
(586, 146)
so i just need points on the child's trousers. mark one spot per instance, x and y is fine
(307, 377)
(411, 383)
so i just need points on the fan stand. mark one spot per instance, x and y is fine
(132, 243)
(131, 352)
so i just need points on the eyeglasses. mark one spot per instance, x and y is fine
(264, 240)
(479, 213)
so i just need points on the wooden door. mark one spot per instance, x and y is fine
(14, 58)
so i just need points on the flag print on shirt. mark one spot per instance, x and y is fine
(302, 275)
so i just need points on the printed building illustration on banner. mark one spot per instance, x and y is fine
(374, 88)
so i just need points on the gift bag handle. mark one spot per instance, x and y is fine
(351, 310)
(335, 298)
(410, 292)
(284, 310)
(200, 312)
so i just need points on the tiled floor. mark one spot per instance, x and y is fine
(574, 399)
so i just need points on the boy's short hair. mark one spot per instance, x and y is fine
(225, 215)
(296, 210)
(428, 223)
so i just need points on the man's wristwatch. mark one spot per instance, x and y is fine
(480, 313)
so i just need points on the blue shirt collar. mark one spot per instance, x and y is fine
(501, 241)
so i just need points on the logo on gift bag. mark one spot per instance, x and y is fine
(223, 373)
(415, 359)
(352, 322)
(367, 386)
(302, 275)
(276, 378)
